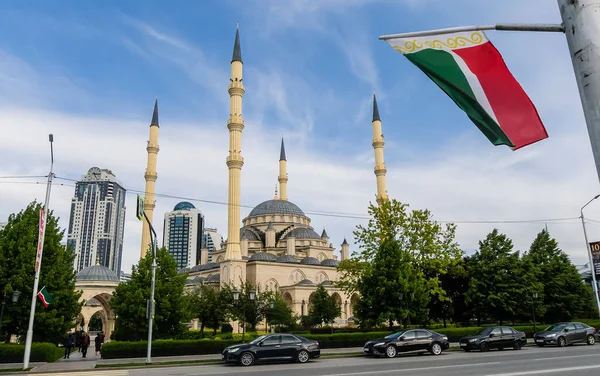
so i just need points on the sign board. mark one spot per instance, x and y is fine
(595, 247)
(139, 208)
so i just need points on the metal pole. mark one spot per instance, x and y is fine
(582, 24)
(151, 305)
(38, 262)
(2, 313)
(589, 249)
(533, 308)
(501, 26)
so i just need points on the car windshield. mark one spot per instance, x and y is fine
(394, 335)
(484, 331)
(257, 340)
(555, 327)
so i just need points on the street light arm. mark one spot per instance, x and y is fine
(589, 202)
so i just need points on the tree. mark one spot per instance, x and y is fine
(455, 283)
(280, 314)
(391, 289)
(324, 309)
(171, 307)
(247, 310)
(562, 294)
(498, 280)
(18, 247)
(210, 306)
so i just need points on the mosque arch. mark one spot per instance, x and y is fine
(272, 284)
(321, 256)
(287, 298)
(353, 301)
(296, 276)
(322, 277)
(220, 259)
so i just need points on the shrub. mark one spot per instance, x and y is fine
(121, 349)
(40, 352)
(226, 328)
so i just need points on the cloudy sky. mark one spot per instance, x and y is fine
(89, 74)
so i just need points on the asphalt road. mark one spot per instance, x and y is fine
(575, 360)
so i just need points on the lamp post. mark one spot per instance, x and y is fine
(15, 298)
(534, 297)
(589, 249)
(150, 305)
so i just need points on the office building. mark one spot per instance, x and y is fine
(182, 234)
(212, 241)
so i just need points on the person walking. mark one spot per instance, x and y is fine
(85, 342)
(99, 340)
(69, 344)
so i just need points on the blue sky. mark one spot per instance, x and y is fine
(89, 73)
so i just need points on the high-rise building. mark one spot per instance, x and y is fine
(97, 221)
(212, 241)
(182, 234)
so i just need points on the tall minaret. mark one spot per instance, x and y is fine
(282, 173)
(235, 160)
(380, 169)
(150, 177)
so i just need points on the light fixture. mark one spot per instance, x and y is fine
(272, 305)
(252, 294)
(15, 296)
(236, 294)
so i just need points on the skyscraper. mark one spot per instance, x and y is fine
(182, 236)
(212, 241)
(97, 221)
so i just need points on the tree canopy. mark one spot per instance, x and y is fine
(324, 309)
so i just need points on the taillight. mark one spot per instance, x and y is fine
(317, 344)
(594, 330)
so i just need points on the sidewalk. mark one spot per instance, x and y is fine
(74, 363)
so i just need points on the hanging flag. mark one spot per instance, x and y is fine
(45, 297)
(468, 68)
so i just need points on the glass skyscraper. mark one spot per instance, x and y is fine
(182, 235)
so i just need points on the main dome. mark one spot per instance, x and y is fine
(97, 273)
(276, 207)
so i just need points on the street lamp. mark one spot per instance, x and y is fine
(534, 296)
(589, 249)
(15, 298)
(236, 297)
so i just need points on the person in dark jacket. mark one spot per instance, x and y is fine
(69, 344)
(85, 343)
(99, 340)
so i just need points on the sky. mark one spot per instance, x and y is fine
(89, 72)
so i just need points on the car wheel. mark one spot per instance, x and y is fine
(561, 342)
(302, 356)
(484, 347)
(247, 359)
(391, 351)
(591, 340)
(436, 349)
(517, 345)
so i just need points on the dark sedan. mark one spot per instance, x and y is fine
(273, 347)
(494, 337)
(566, 333)
(414, 340)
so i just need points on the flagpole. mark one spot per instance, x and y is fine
(582, 23)
(501, 26)
(38, 259)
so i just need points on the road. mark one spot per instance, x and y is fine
(576, 360)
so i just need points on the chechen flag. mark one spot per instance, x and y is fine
(468, 68)
(45, 297)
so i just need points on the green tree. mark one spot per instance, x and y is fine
(562, 295)
(171, 307)
(245, 309)
(324, 309)
(280, 314)
(455, 283)
(18, 247)
(210, 306)
(497, 280)
(391, 289)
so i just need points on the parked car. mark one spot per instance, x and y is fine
(566, 333)
(494, 337)
(414, 340)
(273, 347)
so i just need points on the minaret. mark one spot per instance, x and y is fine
(150, 177)
(378, 142)
(282, 173)
(235, 160)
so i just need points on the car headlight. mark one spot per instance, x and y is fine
(445, 338)
(473, 340)
(551, 335)
(379, 344)
(234, 349)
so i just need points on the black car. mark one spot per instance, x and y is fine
(418, 340)
(566, 333)
(273, 347)
(494, 337)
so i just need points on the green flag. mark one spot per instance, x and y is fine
(45, 297)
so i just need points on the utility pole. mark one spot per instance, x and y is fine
(38, 258)
(589, 249)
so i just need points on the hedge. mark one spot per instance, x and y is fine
(40, 352)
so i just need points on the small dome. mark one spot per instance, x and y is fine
(97, 273)
(196, 268)
(304, 233)
(287, 259)
(326, 283)
(310, 261)
(276, 207)
(214, 278)
(330, 262)
(184, 206)
(246, 233)
(262, 256)
(210, 265)
(305, 282)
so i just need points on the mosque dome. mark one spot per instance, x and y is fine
(276, 207)
(310, 261)
(304, 233)
(262, 256)
(330, 262)
(305, 282)
(214, 278)
(97, 273)
(246, 233)
(287, 259)
(184, 205)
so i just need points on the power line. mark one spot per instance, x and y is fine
(24, 177)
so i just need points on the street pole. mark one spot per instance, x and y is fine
(151, 305)
(533, 308)
(2, 312)
(581, 20)
(38, 259)
(589, 249)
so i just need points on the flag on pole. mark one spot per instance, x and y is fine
(471, 71)
(45, 297)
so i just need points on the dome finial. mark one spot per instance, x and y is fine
(276, 198)
(97, 260)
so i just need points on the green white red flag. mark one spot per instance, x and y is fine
(471, 71)
(45, 297)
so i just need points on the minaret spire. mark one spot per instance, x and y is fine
(234, 160)
(282, 173)
(378, 143)
(150, 176)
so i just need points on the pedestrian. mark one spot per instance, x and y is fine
(85, 342)
(69, 344)
(99, 340)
